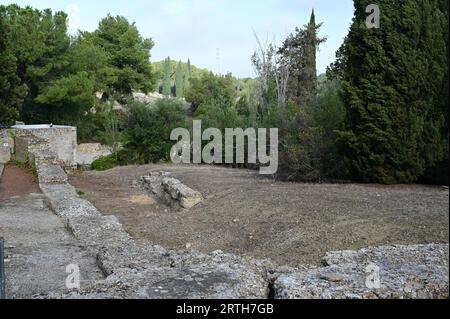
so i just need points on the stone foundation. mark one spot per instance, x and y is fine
(61, 142)
(171, 191)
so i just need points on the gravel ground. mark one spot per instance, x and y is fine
(291, 223)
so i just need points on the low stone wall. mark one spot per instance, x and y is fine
(401, 272)
(87, 153)
(171, 191)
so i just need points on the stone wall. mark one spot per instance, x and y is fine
(87, 153)
(171, 191)
(5, 147)
(61, 141)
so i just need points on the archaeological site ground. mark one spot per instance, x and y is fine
(199, 231)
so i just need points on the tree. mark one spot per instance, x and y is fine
(12, 91)
(393, 81)
(36, 44)
(188, 75)
(211, 87)
(299, 49)
(167, 79)
(179, 80)
(128, 55)
(147, 130)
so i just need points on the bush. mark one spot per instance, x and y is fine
(308, 149)
(147, 130)
(105, 163)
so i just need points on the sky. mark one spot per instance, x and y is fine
(213, 34)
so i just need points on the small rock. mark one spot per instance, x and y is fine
(333, 277)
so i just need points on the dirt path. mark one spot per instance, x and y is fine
(17, 181)
(290, 223)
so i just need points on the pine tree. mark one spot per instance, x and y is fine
(393, 79)
(179, 80)
(167, 79)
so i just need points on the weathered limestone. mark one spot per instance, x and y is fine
(87, 153)
(62, 140)
(405, 272)
(34, 150)
(171, 191)
(150, 272)
(5, 147)
(51, 173)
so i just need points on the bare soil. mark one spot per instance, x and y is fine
(17, 181)
(291, 223)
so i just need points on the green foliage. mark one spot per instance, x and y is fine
(300, 49)
(67, 99)
(211, 87)
(167, 79)
(393, 89)
(308, 138)
(180, 80)
(147, 130)
(32, 43)
(105, 163)
(128, 55)
(189, 70)
(45, 76)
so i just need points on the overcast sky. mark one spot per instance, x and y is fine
(214, 34)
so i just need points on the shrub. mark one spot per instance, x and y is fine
(147, 130)
(105, 163)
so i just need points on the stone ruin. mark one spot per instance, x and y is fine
(139, 271)
(171, 191)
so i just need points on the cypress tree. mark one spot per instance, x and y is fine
(188, 74)
(179, 80)
(393, 80)
(300, 49)
(167, 79)
(309, 83)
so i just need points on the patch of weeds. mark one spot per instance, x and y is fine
(105, 163)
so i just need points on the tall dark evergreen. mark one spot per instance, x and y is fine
(12, 91)
(167, 79)
(179, 80)
(300, 50)
(394, 81)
